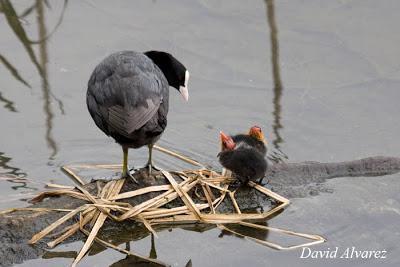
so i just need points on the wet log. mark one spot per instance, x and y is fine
(287, 179)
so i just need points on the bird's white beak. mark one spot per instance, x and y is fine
(184, 92)
(184, 89)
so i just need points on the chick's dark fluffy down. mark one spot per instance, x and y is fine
(245, 163)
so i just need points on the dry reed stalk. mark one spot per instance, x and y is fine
(174, 211)
(157, 201)
(216, 218)
(182, 194)
(222, 196)
(142, 191)
(316, 239)
(208, 197)
(59, 186)
(150, 212)
(72, 229)
(33, 209)
(146, 223)
(112, 190)
(57, 223)
(75, 177)
(209, 191)
(268, 192)
(179, 156)
(95, 166)
(59, 192)
(235, 204)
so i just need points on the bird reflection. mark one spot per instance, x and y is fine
(278, 154)
(153, 251)
(14, 21)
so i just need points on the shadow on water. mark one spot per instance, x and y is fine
(14, 21)
(278, 155)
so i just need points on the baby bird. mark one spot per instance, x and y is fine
(255, 138)
(243, 160)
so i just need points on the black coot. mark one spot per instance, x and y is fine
(255, 138)
(244, 161)
(128, 94)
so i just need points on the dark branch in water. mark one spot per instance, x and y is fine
(287, 179)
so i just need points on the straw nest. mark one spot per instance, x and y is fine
(201, 192)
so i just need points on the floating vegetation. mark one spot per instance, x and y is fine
(200, 190)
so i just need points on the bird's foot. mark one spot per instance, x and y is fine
(128, 174)
(150, 167)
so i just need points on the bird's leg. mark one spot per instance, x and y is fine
(125, 169)
(150, 164)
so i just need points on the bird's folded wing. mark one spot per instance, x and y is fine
(126, 120)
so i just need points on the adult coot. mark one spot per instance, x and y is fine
(255, 138)
(244, 161)
(128, 94)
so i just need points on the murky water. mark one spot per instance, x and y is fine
(321, 77)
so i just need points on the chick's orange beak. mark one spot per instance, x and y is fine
(226, 141)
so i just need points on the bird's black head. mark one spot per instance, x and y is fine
(177, 75)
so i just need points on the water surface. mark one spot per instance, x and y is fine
(321, 77)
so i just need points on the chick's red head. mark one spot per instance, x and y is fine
(257, 133)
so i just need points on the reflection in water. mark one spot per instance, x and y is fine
(45, 84)
(153, 251)
(8, 104)
(16, 26)
(13, 174)
(130, 260)
(278, 88)
(189, 263)
(14, 72)
(251, 232)
(14, 21)
(60, 254)
(135, 261)
(9, 170)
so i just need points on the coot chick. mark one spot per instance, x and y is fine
(255, 138)
(245, 162)
(128, 95)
